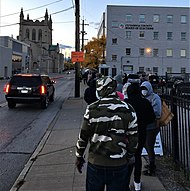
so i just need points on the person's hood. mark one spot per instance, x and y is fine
(105, 86)
(124, 89)
(119, 79)
(148, 86)
(134, 90)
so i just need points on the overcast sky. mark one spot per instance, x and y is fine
(63, 15)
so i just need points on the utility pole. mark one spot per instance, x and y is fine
(77, 48)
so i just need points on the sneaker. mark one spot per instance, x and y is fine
(137, 186)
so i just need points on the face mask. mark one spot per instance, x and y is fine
(144, 92)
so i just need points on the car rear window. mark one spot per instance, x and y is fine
(26, 81)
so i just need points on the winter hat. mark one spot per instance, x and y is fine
(105, 86)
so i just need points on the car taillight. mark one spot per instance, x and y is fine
(42, 90)
(7, 88)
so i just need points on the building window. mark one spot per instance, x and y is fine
(141, 51)
(128, 51)
(155, 52)
(156, 18)
(114, 40)
(183, 19)
(40, 35)
(169, 52)
(155, 70)
(128, 68)
(169, 69)
(128, 34)
(128, 18)
(142, 18)
(141, 69)
(141, 34)
(114, 57)
(155, 35)
(183, 70)
(183, 52)
(33, 34)
(169, 18)
(27, 34)
(169, 35)
(183, 35)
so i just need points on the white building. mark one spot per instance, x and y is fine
(147, 39)
(14, 56)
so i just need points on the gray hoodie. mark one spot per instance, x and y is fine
(153, 98)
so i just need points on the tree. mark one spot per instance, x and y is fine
(94, 52)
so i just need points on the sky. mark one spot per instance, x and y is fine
(63, 15)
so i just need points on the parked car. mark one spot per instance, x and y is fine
(29, 88)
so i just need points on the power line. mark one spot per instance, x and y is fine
(32, 8)
(40, 17)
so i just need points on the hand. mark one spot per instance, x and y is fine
(131, 160)
(79, 163)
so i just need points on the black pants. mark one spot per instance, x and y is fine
(137, 166)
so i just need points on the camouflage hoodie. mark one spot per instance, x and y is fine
(110, 125)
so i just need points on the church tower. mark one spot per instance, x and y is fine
(39, 35)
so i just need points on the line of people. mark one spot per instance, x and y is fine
(120, 119)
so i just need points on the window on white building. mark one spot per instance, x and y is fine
(114, 57)
(128, 51)
(141, 34)
(128, 68)
(114, 40)
(142, 18)
(156, 18)
(183, 70)
(183, 35)
(169, 69)
(155, 70)
(183, 19)
(155, 37)
(169, 18)
(169, 52)
(128, 34)
(183, 52)
(141, 51)
(141, 69)
(128, 18)
(155, 52)
(169, 35)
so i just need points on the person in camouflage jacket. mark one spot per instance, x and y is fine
(110, 126)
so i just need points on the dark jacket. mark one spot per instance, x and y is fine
(143, 108)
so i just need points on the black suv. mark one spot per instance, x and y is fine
(29, 88)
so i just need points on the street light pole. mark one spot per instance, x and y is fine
(77, 48)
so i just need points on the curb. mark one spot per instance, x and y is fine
(20, 180)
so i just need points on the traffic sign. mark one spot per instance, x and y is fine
(77, 56)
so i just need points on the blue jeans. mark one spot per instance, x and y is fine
(114, 178)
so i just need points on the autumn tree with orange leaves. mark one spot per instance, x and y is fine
(93, 52)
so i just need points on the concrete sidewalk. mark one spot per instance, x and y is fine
(51, 167)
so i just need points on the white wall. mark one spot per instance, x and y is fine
(5, 61)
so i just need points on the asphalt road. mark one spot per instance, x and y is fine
(22, 128)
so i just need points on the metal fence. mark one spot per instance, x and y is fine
(176, 135)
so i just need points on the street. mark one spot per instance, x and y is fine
(22, 128)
